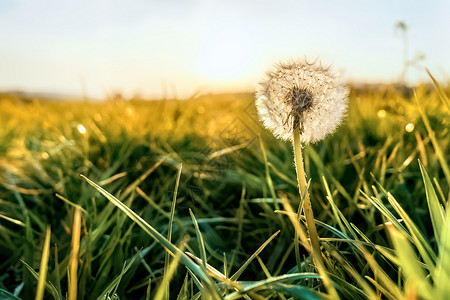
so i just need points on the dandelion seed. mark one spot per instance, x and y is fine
(409, 127)
(81, 129)
(301, 94)
(381, 113)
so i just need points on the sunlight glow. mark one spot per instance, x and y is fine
(407, 161)
(409, 127)
(81, 129)
(381, 113)
(151, 48)
(223, 56)
(130, 111)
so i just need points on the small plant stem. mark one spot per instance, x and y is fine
(307, 208)
(73, 265)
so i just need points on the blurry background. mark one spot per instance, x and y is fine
(176, 48)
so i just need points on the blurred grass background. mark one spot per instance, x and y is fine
(233, 175)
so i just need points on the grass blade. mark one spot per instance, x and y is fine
(201, 243)
(419, 240)
(73, 266)
(318, 162)
(442, 275)
(337, 213)
(44, 266)
(169, 231)
(112, 287)
(434, 207)
(48, 285)
(57, 274)
(366, 288)
(411, 269)
(251, 258)
(319, 263)
(296, 291)
(162, 292)
(141, 178)
(413, 233)
(265, 284)
(184, 259)
(440, 92)
(7, 295)
(437, 148)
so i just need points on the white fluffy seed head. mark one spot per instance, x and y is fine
(301, 93)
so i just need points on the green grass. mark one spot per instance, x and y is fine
(194, 199)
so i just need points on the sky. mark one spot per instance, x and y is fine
(178, 48)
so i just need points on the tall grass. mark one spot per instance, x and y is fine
(225, 225)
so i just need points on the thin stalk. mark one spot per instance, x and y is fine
(73, 265)
(307, 208)
(44, 266)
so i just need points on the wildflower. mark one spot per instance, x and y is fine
(302, 102)
(301, 94)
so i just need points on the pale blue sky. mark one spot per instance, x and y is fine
(162, 48)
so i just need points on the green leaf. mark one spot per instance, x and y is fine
(442, 274)
(411, 268)
(413, 233)
(297, 291)
(431, 134)
(201, 243)
(7, 295)
(268, 283)
(337, 213)
(112, 287)
(418, 239)
(48, 285)
(436, 211)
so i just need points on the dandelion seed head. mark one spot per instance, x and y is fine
(304, 94)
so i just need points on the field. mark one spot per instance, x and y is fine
(194, 199)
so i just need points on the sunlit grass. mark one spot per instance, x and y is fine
(137, 225)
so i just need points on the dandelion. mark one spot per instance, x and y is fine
(302, 102)
(301, 94)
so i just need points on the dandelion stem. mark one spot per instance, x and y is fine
(304, 195)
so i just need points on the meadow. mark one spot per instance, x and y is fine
(194, 199)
